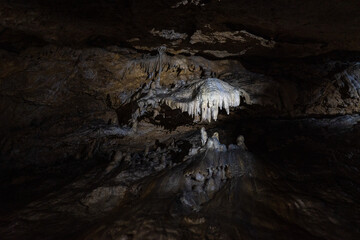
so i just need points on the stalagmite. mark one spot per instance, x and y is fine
(240, 141)
(161, 51)
(204, 136)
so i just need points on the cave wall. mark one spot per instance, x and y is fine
(56, 92)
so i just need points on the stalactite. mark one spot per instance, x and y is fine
(205, 97)
(201, 99)
(153, 66)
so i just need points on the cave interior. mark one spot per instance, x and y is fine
(179, 119)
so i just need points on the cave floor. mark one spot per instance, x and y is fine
(303, 183)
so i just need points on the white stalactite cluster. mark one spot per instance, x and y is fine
(201, 99)
(204, 98)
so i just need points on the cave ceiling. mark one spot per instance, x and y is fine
(221, 28)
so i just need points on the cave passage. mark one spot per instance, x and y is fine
(201, 119)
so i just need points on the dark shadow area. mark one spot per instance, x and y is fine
(170, 119)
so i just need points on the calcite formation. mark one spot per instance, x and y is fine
(201, 99)
(204, 98)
